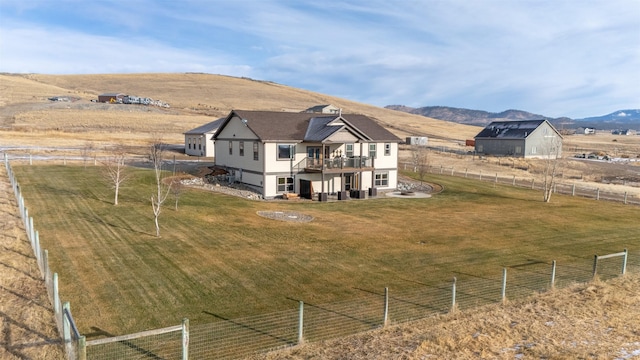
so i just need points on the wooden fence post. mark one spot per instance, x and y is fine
(598, 194)
(624, 261)
(595, 266)
(185, 339)
(553, 274)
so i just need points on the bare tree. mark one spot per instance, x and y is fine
(86, 152)
(156, 156)
(551, 153)
(420, 160)
(176, 185)
(115, 170)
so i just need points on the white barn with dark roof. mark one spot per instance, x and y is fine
(309, 154)
(526, 138)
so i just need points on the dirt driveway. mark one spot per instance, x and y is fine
(26, 314)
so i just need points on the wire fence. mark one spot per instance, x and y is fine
(312, 322)
(531, 183)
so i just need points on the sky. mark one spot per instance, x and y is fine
(574, 58)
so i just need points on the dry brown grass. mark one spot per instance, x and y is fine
(598, 320)
(28, 328)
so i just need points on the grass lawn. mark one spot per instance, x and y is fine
(216, 258)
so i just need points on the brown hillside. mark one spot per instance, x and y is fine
(194, 98)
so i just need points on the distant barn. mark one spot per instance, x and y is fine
(110, 97)
(527, 138)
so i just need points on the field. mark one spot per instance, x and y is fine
(216, 258)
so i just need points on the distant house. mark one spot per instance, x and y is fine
(323, 109)
(587, 130)
(199, 141)
(110, 97)
(527, 138)
(308, 154)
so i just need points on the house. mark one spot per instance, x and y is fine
(199, 141)
(526, 138)
(308, 154)
(110, 97)
(323, 109)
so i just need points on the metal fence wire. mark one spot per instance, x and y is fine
(241, 337)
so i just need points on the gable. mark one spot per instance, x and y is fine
(510, 129)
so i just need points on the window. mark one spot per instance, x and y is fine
(189, 142)
(255, 151)
(230, 147)
(285, 184)
(382, 179)
(348, 150)
(372, 151)
(285, 151)
(241, 148)
(199, 145)
(387, 149)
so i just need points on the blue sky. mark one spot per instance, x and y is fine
(574, 58)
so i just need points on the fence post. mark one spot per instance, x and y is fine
(595, 266)
(37, 250)
(30, 159)
(185, 339)
(56, 296)
(82, 348)
(301, 323)
(452, 171)
(386, 306)
(45, 265)
(625, 198)
(573, 190)
(32, 235)
(598, 194)
(504, 285)
(496, 178)
(480, 175)
(440, 169)
(533, 181)
(66, 326)
(466, 171)
(514, 180)
(553, 274)
(624, 261)
(453, 295)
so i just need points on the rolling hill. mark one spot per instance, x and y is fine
(26, 114)
(616, 120)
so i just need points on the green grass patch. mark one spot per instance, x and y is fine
(216, 258)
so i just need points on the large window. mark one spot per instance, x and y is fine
(382, 179)
(387, 149)
(348, 150)
(286, 151)
(256, 156)
(372, 151)
(285, 184)
(241, 148)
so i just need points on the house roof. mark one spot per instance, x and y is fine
(290, 126)
(510, 129)
(206, 128)
(319, 108)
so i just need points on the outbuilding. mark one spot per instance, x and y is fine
(199, 141)
(526, 138)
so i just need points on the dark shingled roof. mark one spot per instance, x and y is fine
(290, 126)
(510, 129)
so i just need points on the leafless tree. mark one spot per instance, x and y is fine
(156, 156)
(86, 152)
(115, 170)
(551, 153)
(176, 186)
(420, 160)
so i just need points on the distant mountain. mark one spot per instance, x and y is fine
(473, 117)
(621, 119)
